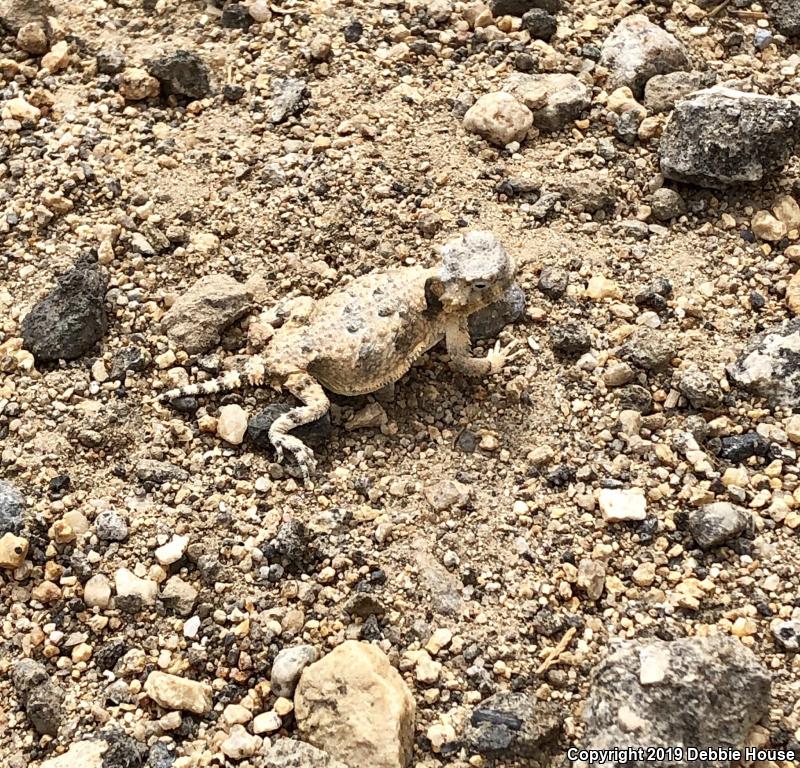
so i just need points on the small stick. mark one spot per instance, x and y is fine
(724, 4)
(552, 658)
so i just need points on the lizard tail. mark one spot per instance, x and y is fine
(227, 383)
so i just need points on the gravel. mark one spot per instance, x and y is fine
(491, 538)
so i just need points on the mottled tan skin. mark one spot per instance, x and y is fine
(369, 333)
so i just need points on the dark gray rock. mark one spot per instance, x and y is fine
(700, 388)
(785, 14)
(769, 366)
(71, 319)
(540, 24)
(292, 547)
(315, 434)
(290, 97)
(12, 508)
(553, 282)
(110, 62)
(638, 50)
(181, 73)
(363, 605)
(512, 726)
(152, 471)
(135, 359)
(555, 99)
(122, 751)
(738, 448)
(160, 756)
(721, 137)
(714, 524)
(109, 526)
(521, 7)
(236, 16)
(696, 692)
(486, 323)
(570, 339)
(627, 127)
(662, 92)
(41, 698)
(667, 204)
(45, 708)
(648, 349)
(634, 398)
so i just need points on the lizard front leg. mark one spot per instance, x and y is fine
(461, 358)
(315, 405)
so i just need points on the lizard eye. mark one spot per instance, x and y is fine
(480, 285)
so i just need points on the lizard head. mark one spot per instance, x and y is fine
(475, 272)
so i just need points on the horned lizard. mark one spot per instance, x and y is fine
(369, 333)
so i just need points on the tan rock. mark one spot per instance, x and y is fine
(173, 692)
(622, 99)
(787, 211)
(766, 227)
(12, 551)
(645, 574)
(447, 494)
(129, 584)
(622, 504)
(58, 57)
(19, 109)
(32, 38)
(136, 84)
(232, 423)
(372, 722)
(793, 429)
(793, 294)
(198, 317)
(499, 118)
(46, 592)
(97, 592)
(81, 754)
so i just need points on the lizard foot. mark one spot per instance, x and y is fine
(255, 372)
(499, 355)
(302, 454)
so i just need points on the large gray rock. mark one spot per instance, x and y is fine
(637, 50)
(71, 319)
(512, 725)
(785, 14)
(692, 692)
(720, 137)
(15, 14)
(662, 92)
(714, 524)
(181, 73)
(12, 507)
(769, 366)
(196, 320)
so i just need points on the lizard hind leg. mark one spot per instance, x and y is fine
(315, 404)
